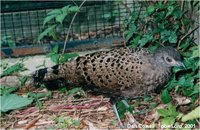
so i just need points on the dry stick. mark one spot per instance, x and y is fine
(186, 36)
(66, 39)
(31, 124)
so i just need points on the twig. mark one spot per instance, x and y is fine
(182, 5)
(80, 107)
(186, 36)
(66, 39)
(32, 122)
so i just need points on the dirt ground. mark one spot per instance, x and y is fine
(80, 111)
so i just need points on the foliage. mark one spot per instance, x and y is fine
(77, 91)
(59, 16)
(191, 115)
(38, 96)
(13, 101)
(23, 80)
(5, 90)
(66, 122)
(60, 58)
(122, 109)
(8, 41)
(14, 68)
(167, 24)
(169, 115)
(166, 98)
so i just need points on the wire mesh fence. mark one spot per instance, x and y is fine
(22, 22)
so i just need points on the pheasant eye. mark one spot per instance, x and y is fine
(168, 59)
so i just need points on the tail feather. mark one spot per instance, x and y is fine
(38, 75)
(46, 74)
(59, 74)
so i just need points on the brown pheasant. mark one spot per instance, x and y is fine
(125, 72)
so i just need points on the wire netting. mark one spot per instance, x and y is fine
(22, 22)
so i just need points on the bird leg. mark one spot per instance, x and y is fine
(125, 103)
(117, 114)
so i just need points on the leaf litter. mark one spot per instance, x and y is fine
(63, 111)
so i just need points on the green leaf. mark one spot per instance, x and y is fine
(23, 80)
(172, 110)
(195, 52)
(39, 95)
(4, 38)
(14, 68)
(4, 90)
(55, 12)
(60, 18)
(11, 43)
(48, 18)
(131, 32)
(7, 40)
(122, 109)
(170, 10)
(177, 14)
(163, 112)
(186, 81)
(153, 48)
(165, 35)
(55, 58)
(150, 10)
(56, 49)
(168, 121)
(189, 62)
(53, 34)
(65, 57)
(194, 114)
(177, 69)
(186, 44)
(172, 84)
(13, 101)
(46, 32)
(77, 91)
(173, 37)
(147, 38)
(196, 89)
(182, 81)
(39, 104)
(166, 97)
(65, 9)
(135, 41)
(76, 122)
(73, 91)
(153, 105)
(74, 9)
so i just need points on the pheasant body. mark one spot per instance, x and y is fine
(125, 71)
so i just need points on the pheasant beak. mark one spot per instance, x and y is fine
(179, 63)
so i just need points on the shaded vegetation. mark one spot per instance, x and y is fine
(169, 23)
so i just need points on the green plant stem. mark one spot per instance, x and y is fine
(70, 26)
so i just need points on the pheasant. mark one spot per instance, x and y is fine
(126, 72)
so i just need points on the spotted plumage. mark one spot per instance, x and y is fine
(127, 72)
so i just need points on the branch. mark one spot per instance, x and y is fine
(70, 26)
(186, 36)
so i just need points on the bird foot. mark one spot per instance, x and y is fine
(121, 125)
